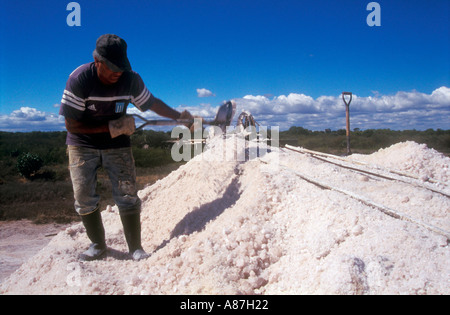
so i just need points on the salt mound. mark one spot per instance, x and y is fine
(221, 225)
(411, 157)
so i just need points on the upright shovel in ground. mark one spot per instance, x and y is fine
(347, 116)
(223, 118)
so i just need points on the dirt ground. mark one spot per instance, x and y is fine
(20, 240)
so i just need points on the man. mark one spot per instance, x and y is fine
(94, 105)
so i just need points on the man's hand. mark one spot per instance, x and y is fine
(195, 124)
(122, 126)
(186, 115)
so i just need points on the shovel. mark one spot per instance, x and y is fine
(223, 118)
(347, 116)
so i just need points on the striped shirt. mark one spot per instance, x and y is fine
(86, 99)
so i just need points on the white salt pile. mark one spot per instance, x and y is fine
(413, 158)
(257, 227)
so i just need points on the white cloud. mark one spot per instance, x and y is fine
(204, 93)
(28, 114)
(31, 119)
(404, 110)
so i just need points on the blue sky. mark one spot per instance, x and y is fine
(287, 61)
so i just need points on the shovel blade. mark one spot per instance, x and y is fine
(225, 114)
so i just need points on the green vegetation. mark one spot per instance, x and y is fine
(149, 147)
(35, 181)
(28, 164)
(365, 142)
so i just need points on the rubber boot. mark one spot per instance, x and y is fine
(96, 233)
(132, 230)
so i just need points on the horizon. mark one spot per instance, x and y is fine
(168, 129)
(286, 62)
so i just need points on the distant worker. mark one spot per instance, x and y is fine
(94, 105)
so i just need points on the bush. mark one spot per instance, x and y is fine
(28, 164)
(151, 157)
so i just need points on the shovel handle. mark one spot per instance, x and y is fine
(165, 122)
(343, 97)
(223, 118)
(160, 122)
